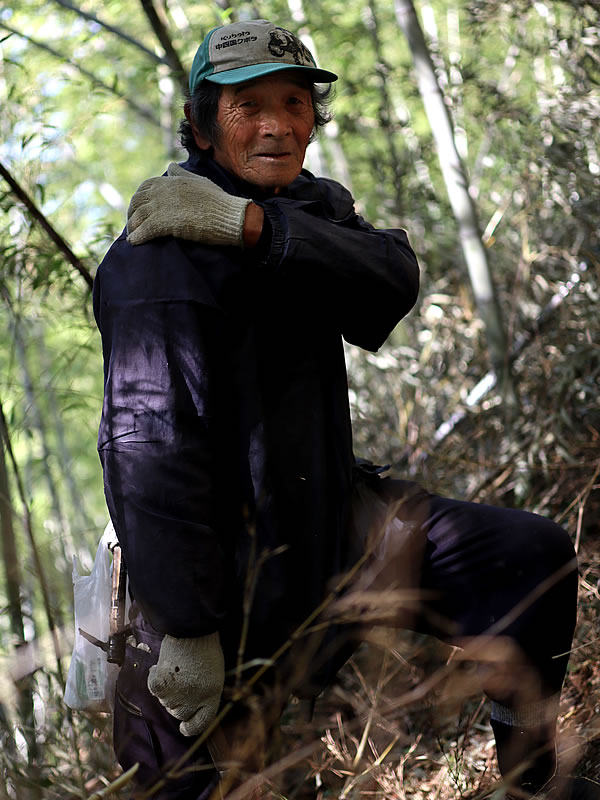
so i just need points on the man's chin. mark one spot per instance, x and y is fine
(271, 181)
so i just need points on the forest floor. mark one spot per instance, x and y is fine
(406, 719)
(415, 725)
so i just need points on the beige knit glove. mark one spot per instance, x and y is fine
(188, 206)
(188, 680)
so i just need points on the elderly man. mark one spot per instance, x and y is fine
(226, 443)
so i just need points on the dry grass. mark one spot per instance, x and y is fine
(406, 719)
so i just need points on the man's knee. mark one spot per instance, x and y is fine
(542, 546)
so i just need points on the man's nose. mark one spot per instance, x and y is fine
(275, 123)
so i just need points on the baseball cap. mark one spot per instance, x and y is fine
(245, 50)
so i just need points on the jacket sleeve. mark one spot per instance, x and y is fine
(154, 439)
(367, 278)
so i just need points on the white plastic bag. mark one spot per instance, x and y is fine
(91, 679)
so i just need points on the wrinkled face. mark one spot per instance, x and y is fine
(265, 127)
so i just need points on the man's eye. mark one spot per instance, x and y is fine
(298, 103)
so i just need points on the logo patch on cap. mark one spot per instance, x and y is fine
(282, 42)
(243, 37)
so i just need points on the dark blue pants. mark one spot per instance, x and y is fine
(475, 564)
(144, 732)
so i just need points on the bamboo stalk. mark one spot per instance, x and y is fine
(28, 525)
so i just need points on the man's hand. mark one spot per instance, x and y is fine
(188, 206)
(188, 680)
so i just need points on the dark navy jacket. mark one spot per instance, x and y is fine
(225, 432)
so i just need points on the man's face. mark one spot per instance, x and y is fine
(265, 127)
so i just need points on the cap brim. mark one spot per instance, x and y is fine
(241, 74)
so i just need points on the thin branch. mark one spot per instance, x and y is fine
(385, 109)
(39, 217)
(487, 383)
(582, 496)
(162, 34)
(15, 327)
(119, 783)
(4, 434)
(141, 110)
(303, 628)
(117, 31)
(508, 73)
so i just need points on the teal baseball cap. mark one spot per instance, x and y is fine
(245, 50)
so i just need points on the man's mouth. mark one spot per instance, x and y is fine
(273, 156)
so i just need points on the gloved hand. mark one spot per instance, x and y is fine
(188, 206)
(188, 680)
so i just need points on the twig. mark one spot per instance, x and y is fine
(241, 793)
(121, 781)
(254, 567)
(488, 382)
(576, 649)
(404, 758)
(583, 493)
(143, 112)
(245, 690)
(117, 31)
(4, 434)
(39, 217)
(370, 767)
(367, 729)
(579, 524)
(179, 71)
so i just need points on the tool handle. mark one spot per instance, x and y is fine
(116, 639)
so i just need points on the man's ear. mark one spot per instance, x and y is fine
(202, 143)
